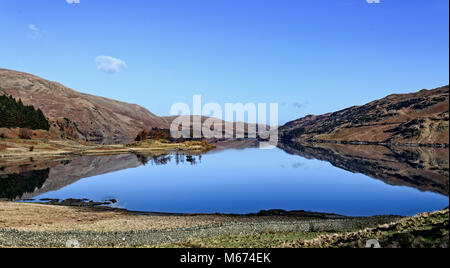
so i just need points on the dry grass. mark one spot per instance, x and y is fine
(19, 148)
(37, 217)
(427, 230)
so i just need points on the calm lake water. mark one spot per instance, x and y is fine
(247, 181)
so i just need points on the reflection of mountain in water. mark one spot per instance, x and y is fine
(426, 169)
(27, 180)
(63, 173)
(16, 184)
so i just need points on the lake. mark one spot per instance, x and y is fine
(347, 180)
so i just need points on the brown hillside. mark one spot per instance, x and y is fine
(416, 118)
(89, 117)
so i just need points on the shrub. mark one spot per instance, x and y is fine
(25, 133)
(142, 136)
(160, 134)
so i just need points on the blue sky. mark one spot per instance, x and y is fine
(311, 56)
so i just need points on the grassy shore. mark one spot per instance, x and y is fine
(39, 225)
(20, 148)
(427, 230)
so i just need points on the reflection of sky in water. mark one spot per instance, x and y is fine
(244, 181)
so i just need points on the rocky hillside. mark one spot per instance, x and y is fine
(76, 114)
(416, 118)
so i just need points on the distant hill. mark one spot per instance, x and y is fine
(80, 115)
(415, 118)
(226, 126)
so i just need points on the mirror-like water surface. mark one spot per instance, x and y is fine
(250, 180)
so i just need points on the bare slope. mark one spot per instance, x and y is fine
(419, 118)
(91, 118)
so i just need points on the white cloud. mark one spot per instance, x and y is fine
(109, 64)
(33, 27)
(34, 31)
(73, 1)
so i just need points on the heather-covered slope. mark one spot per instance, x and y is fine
(417, 118)
(86, 117)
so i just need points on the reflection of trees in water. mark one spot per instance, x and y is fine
(165, 159)
(14, 185)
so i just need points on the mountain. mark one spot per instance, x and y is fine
(226, 126)
(415, 118)
(78, 115)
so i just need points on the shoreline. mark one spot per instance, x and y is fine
(54, 226)
(60, 148)
(103, 206)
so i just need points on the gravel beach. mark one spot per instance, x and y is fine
(36, 225)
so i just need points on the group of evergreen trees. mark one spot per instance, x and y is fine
(14, 114)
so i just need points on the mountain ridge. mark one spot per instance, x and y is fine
(414, 118)
(80, 115)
